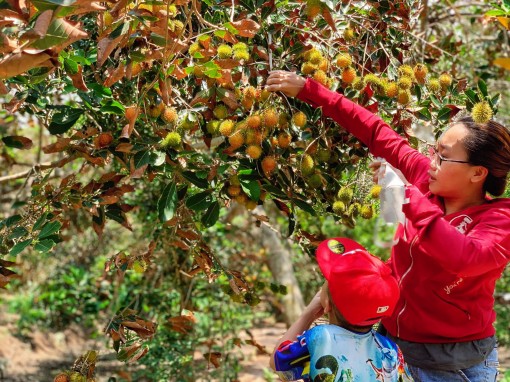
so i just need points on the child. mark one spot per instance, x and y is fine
(359, 291)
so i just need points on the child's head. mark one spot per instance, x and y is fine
(360, 285)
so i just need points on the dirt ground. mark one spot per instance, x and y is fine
(40, 357)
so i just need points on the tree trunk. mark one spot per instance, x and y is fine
(280, 264)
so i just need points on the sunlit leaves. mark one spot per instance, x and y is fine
(64, 119)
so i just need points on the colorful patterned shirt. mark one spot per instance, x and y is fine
(331, 353)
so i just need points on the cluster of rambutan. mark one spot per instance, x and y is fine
(316, 66)
(235, 192)
(348, 208)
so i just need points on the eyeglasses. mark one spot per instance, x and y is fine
(434, 155)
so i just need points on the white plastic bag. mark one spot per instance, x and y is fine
(392, 194)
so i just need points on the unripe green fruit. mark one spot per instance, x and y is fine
(220, 112)
(307, 165)
(323, 155)
(314, 180)
(345, 194)
(367, 212)
(172, 139)
(354, 209)
(338, 207)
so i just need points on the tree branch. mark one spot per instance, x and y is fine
(37, 168)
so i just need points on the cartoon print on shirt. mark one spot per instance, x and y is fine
(326, 362)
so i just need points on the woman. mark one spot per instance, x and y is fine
(455, 242)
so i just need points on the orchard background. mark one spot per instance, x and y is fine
(153, 193)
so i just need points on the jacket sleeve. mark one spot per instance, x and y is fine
(382, 141)
(484, 248)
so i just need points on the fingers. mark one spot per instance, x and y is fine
(375, 165)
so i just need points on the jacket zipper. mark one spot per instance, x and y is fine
(400, 283)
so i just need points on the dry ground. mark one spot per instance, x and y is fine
(39, 358)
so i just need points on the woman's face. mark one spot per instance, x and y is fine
(450, 179)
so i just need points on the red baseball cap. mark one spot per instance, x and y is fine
(362, 287)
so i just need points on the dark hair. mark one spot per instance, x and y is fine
(488, 145)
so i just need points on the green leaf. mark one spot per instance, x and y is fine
(220, 33)
(19, 247)
(55, 35)
(495, 12)
(435, 101)
(304, 206)
(143, 157)
(64, 119)
(211, 215)
(49, 229)
(44, 245)
(417, 90)
(251, 188)
(494, 101)
(159, 40)
(39, 223)
(17, 233)
(200, 201)
(248, 4)
(120, 30)
(292, 224)
(231, 28)
(113, 107)
(483, 87)
(444, 114)
(43, 5)
(424, 114)
(10, 221)
(70, 66)
(212, 70)
(191, 177)
(167, 202)
(472, 96)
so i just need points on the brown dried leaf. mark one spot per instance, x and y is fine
(86, 6)
(105, 47)
(7, 45)
(115, 76)
(124, 147)
(262, 349)
(144, 329)
(97, 161)
(21, 143)
(77, 79)
(103, 140)
(230, 99)
(329, 19)
(246, 27)
(227, 63)
(182, 324)
(21, 62)
(214, 358)
(43, 22)
(60, 145)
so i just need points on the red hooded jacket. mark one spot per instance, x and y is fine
(446, 265)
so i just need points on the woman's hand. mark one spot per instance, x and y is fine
(289, 83)
(375, 166)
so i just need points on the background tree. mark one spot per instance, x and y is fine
(153, 115)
